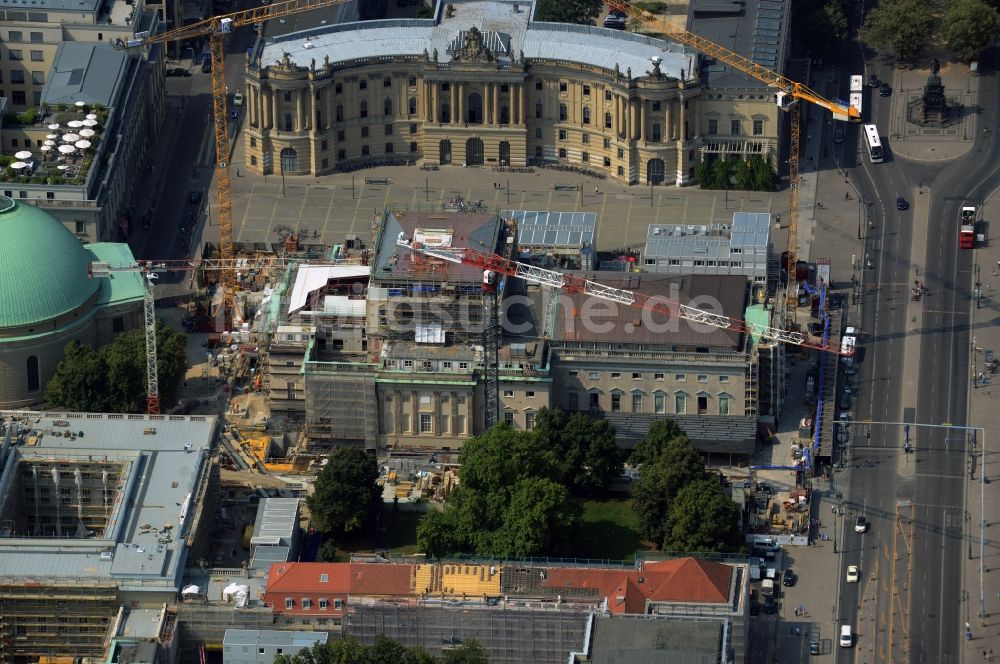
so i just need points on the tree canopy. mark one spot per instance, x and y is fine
(383, 651)
(568, 11)
(969, 26)
(753, 174)
(586, 451)
(820, 26)
(901, 26)
(511, 501)
(112, 379)
(680, 506)
(346, 496)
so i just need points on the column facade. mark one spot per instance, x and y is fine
(668, 123)
(298, 126)
(643, 120)
(496, 102)
(461, 103)
(275, 110)
(522, 117)
(454, 103)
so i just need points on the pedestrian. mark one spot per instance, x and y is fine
(237, 172)
(596, 191)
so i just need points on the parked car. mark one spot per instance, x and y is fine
(884, 90)
(178, 71)
(853, 574)
(846, 636)
(873, 81)
(861, 525)
(788, 578)
(845, 402)
(901, 204)
(238, 99)
(614, 23)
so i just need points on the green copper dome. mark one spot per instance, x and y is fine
(43, 267)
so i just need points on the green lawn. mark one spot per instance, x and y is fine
(397, 532)
(610, 530)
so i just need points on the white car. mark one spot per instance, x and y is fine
(860, 525)
(853, 574)
(238, 99)
(846, 636)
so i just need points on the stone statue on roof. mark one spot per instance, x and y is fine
(286, 62)
(474, 48)
(435, 55)
(427, 56)
(628, 74)
(326, 63)
(312, 65)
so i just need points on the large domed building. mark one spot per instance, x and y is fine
(47, 299)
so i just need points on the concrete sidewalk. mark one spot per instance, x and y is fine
(982, 556)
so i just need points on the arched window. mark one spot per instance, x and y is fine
(34, 380)
(562, 112)
(412, 106)
(364, 108)
(387, 106)
(586, 115)
(340, 113)
(607, 121)
(538, 109)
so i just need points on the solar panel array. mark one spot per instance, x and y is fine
(553, 230)
(767, 34)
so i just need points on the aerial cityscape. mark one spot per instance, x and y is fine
(499, 331)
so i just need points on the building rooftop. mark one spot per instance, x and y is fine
(343, 578)
(454, 230)
(294, 640)
(757, 29)
(50, 5)
(627, 640)
(584, 318)
(749, 233)
(84, 72)
(310, 278)
(553, 230)
(722, 434)
(151, 468)
(507, 33)
(276, 522)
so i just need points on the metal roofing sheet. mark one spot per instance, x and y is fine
(553, 229)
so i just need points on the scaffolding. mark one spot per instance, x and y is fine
(65, 618)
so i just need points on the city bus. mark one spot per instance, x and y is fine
(873, 143)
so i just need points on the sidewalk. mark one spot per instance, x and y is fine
(982, 600)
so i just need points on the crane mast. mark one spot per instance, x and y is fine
(574, 284)
(787, 97)
(217, 27)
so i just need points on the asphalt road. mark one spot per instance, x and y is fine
(910, 593)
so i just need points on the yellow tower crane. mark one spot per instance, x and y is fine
(217, 27)
(787, 95)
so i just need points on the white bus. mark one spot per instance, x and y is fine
(874, 144)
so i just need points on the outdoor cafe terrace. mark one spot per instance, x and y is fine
(63, 143)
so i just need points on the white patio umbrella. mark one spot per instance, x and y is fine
(81, 104)
(18, 165)
(52, 137)
(70, 138)
(54, 126)
(67, 149)
(75, 124)
(90, 123)
(45, 148)
(83, 145)
(87, 133)
(62, 167)
(91, 116)
(23, 154)
(49, 143)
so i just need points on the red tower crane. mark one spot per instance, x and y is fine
(491, 263)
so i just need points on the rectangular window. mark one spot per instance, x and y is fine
(389, 148)
(530, 394)
(607, 95)
(538, 132)
(723, 405)
(365, 150)
(585, 157)
(508, 418)
(363, 84)
(289, 603)
(636, 375)
(758, 127)
(307, 603)
(388, 130)
(538, 151)
(341, 154)
(702, 378)
(17, 76)
(529, 420)
(19, 100)
(607, 143)
(657, 376)
(37, 38)
(658, 403)
(723, 378)
(621, 153)
(338, 603)
(38, 78)
(636, 403)
(562, 134)
(338, 89)
(413, 128)
(735, 127)
(595, 401)
(616, 402)
(680, 378)
(680, 404)
(586, 90)
(15, 36)
(585, 139)
(15, 54)
(562, 86)
(538, 85)
(508, 393)
(607, 162)
(463, 365)
(562, 151)
(37, 56)
(615, 375)
(593, 375)
(572, 401)
(413, 146)
(703, 405)
(713, 127)
(364, 132)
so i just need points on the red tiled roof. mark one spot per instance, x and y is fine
(381, 579)
(305, 577)
(681, 580)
